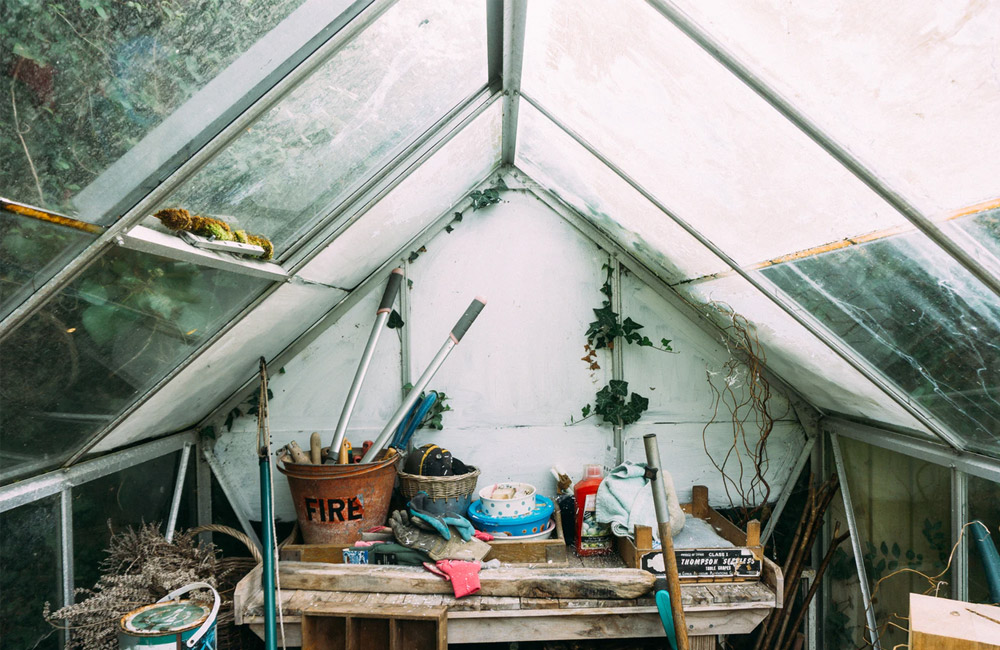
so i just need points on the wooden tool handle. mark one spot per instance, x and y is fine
(298, 456)
(315, 446)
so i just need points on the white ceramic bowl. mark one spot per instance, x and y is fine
(507, 499)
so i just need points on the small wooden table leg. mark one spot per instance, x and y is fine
(702, 642)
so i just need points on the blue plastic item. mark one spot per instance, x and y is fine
(990, 558)
(413, 419)
(666, 617)
(531, 523)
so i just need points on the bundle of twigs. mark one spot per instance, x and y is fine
(141, 567)
(778, 631)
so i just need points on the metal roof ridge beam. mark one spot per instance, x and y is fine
(514, 15)
(766, 288)
(717, 51)
(223, 137)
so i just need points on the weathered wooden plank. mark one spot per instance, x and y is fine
(531, 583)
(246, 590)
(539, 603)
(467, 603)
(770, 575)
(695, 595)
(944, 624)
(499, 603)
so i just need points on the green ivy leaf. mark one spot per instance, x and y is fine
(618, 387)
(665, 344)
(586, 410)
(395, 320)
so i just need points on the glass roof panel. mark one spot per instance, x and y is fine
(31, 251)
(103, 341)
(382, 89)
(691, 133)
(412, 205)
(909, 87)
(551, 157)
(797, 356)
(915, 314)
(84, 82)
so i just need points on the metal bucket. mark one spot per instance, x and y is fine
(170, 624)
(334, 503)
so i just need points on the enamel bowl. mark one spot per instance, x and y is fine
(503, 500)
(532, 523)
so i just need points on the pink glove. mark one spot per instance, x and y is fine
(485, 537)
(464, 576)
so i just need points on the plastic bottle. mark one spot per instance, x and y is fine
(592, 538)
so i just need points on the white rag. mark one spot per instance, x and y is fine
(625, 500)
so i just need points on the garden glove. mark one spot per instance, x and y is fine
(419, 515)
(433, 544)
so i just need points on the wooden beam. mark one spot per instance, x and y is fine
(530, 583)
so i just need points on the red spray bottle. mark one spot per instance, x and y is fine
(592, 538)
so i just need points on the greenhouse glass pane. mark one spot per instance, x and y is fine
(138, 495)
(375, 95)
(903, 511)
(31, 251)
(29, 575)
(85, 81)
(103, 341)
(916, 315)
(909, 87)
(984, 505)
(661, 109)
(560, 164)
(802, 360)
(421, 198)
(983, 228)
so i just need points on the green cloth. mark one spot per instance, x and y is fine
(391, 553)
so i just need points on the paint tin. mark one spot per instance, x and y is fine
(171, 624)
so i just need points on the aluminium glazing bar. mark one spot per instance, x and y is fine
(175, 501)
(66, 546)
(301, 66)
(959, 517)
(39, 487)
(494, 44)
(852, 525)
(768, 289)
(786, 494)
(514, 14)
(965, 461)
(717, 51)
(354, 207)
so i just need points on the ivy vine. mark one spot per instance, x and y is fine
(613, 402)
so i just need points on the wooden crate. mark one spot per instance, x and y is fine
(550, 552)
(342, 626)
(640, 553)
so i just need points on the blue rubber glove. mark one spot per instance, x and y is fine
(422, 517)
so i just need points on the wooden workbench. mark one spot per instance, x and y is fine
(711, 610)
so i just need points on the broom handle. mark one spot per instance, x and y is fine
(666, 541)
(382, 315)
(456, 334)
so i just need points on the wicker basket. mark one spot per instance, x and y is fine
(447, 493)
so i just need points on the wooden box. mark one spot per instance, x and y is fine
(743, 563)
(342, 626)
(549, 552)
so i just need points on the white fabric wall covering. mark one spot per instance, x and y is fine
(690, 132)
(200, 387)
(911, 87)
(309, 396)
(441, 181)
(517, 377)
(801, 359)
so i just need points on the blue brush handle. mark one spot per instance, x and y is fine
(398, 436)
(666, 616)
(421, 413)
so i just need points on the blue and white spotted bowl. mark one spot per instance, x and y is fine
(498, 508)
(536, 521)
